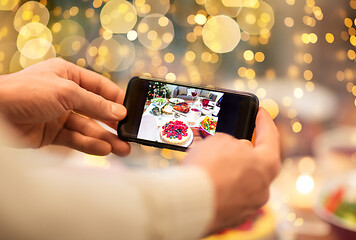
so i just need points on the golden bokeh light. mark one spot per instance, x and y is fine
(297, 127)
(329, 37)
(290, 2)
(51, 53)
(31, 12)
(259, 56)
(71, 45)
(289, 22)
(310, 86)
(68, 37)
(308, 75)
(132, 35)
(169, 57)
(118, 16)
(145, 7)
(7, 49)
(307, 58)
(36, 48)
(221, 34)
(102, 55)
(216, 7)
(271, 106)
(248, 55)
(256, 21)
(8, 5)
(298, 93)
(155, 32)
(107, 34)
(240, 3)
(15, 65)
(126, 51)
(66, 28)
(31, 31)
(351, 54)
(171, 77)
(200, 19)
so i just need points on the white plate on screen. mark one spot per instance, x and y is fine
(176, 100)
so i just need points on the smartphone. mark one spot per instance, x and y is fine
(177, 115)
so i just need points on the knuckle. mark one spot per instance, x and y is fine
(67, 93)
(68, 88)
(101, 103)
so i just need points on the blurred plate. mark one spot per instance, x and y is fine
(176, 100)
(347, 181)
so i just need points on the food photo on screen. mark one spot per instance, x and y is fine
(179, 115)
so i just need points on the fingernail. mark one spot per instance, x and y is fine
(119, 111)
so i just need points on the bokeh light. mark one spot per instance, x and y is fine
(216, 7)
(102, 55)
(271, 106)
(31, 31)
(31, 12)
(239, 3)
(155, 31)
(221, 34)
(126, 51)
(145, 7)
(256, 21)
(7, 49)
(43, 48)
(118, 16)
(36, 48)
(8, 5)
(305, 184)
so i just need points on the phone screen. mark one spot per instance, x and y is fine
(166, 114)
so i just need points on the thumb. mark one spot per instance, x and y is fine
(91, 104)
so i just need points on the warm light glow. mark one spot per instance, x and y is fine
(297, 127)
(248, 55)
(8, 5)
(289, 22)
(31, 11)
(305, 184)
(221, 34)
(155, 32)
(329, 38)
(132, 35)
(259, 56)
(169, 57)
(200, 19)
(298, 93)
(118, 16)
(271, 106)
(256, 21)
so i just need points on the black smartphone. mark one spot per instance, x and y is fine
(176, 115)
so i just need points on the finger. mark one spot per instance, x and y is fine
(73, 97)
(90, 128)
(95, 83)
(82, 143)
(113, 125)
(267, 136)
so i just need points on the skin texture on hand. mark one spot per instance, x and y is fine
(55, 102)
(240, 171)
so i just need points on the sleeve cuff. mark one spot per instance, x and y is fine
(180, 202)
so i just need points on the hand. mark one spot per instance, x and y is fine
(241, 173)
(43, 103)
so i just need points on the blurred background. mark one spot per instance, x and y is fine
(297, 56)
